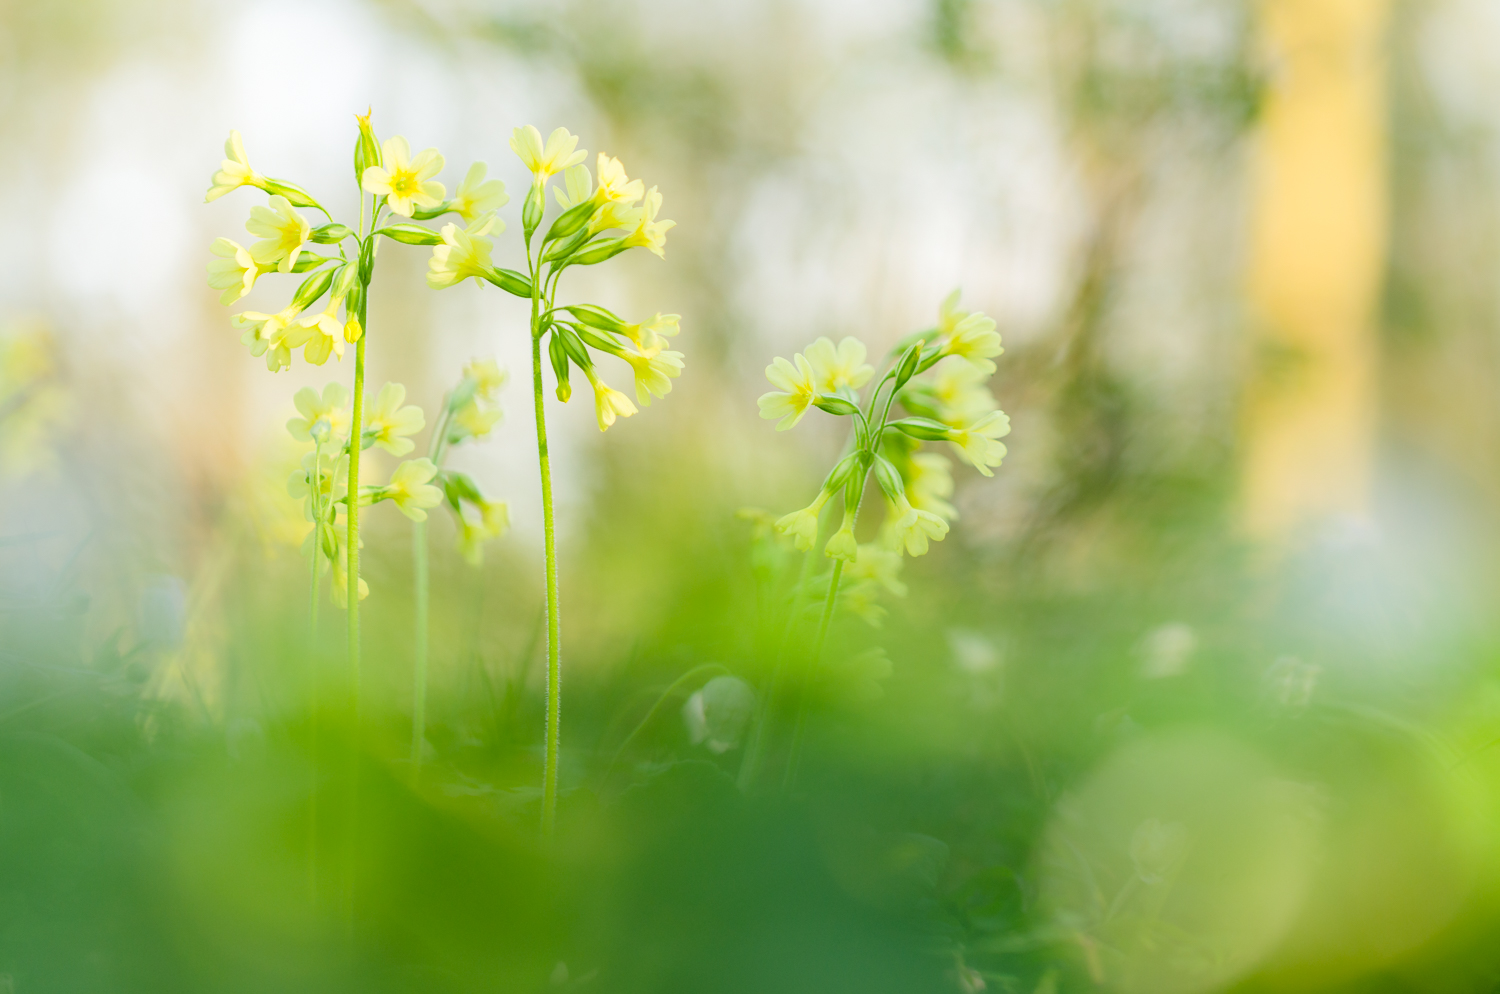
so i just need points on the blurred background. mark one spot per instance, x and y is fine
(1199, 694)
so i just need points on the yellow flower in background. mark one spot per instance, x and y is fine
(648, 336)
(798, 391)
(912, 527)
(333, 480)
(843, 544)
(841, 366)
(411, 488)
(654, 374)
(975, 339)
(949, 315)
(265, 334)
(405, 182)
(546, 160)
(464, 253)
(649, 232)
(488, 376)
(477, 196)
(493, 521)
(802, 526)
(332, 405)
(577, 187)
(977, 445)
(234, 271)
(283, 234)
(324, 331)
(33, 396)
(929, 484)
(234, 172)
(609, 404)
(614, 186)
(880, 565)
(390, 423)
(958, 387)
(476, 420)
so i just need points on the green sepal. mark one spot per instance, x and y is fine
(345, 279)
(559, 356)
(461, 394)
(567, 246)
(570, 221)
(295, 195)
(907, 367)
(330, 234)
(459, 487)
(597, 317)
(410, 234)
(510, 281)
(925, 429)
(595, 340)
(312, 288)
(889, 477)
(366, 260)
(427, 214)
(573, 345)
(310, 260)
(366, 150)
(600, 251)
(839, 475)
(531, 213)
(835, 405)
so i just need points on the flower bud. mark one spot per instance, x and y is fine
(331, 234)
(366, 261)
(597, 317)
(410, 234)
(559, 356)
(312, 288)
(531, 213)
(835, 405)
(600, 251)
(925, 429)
(511, 282)
(294, 194)
(366, 147)
(907, 367)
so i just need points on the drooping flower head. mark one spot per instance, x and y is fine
(975, 339)
(802, 526)
(912, 528)
(488, 376)
(477, 196)
(322, 333)
(839, 366)
(609, 404)
(477, 525)
(654, 374)
(234, 172)
(649, 232)
(283, 233)
(798, 390)
(405, 181)
(546, 160)
(650, 335)
(265, 334)
(464, 252)
(978, 444)
(234, 271)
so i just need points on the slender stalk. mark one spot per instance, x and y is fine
(812, 674)
(419, 674)
(312, 671)
(352, 509)
(755, 749)
(665, 696)
(554, 624)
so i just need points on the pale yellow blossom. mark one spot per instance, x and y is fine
(546, 160)
(649, 232)
(609, 404)
(234, 172)
(802, 526)
(650, 335)
(839, 366)
(405, 181)
(234, 271)
(464, 252)
(798, 391)
(654, 374)
(283, 233)
(332, 406)
(477, 196)
(978, 444)
(389, 422)
(975, 339)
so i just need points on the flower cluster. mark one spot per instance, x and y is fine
(597, 223)
(937, 378)
(470, 410)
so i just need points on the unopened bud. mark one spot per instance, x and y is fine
(366, 147)
(353, 330)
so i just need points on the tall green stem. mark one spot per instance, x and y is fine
(312, 671)
(812, 673)
(419, 673)
(755, 750)
(554, 625)
(352, 509)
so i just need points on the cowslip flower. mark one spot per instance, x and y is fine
(843, 545)
(654, 374)
(578, 186)
(958, 387)
(975, 339)
(234, 172)
(614, 187)
(234, 271)
(389, 423)
(650, 233)
(324, 334)
(477, 421)
(477, 196)
(406, 182)
(283, 234)
(912, 527)
(265, 334)
(949, 315)
(978, 444)
(880, 565)
(493, 521)
(798, 391)
(488, 376)
(464, 253)
(839, 366)
(609, 404)
(802, 526)
(411, 488)
(333, 478)
(546, 160)
(929, 484)
(650, 335)
(331, 406)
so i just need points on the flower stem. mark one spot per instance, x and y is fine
(554, 625)
(750, 765)
(312, 674)
(352, 513)
(419, 670)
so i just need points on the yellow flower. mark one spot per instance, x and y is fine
(608, 404)
(649, 232)
(958, 387)
(390, 423)
(477, 196)
(797, 393)
(544, 161)
(333, 480)
(841, 366)
(463, 253)
(975, 338)
(613, 184)
(949, 315)
(494, 521)
(266, 334)
(477, 421)
(977, 445)
(405, 182)
(648, 335)
(843, 544)
(234, 172)
(330, 406)
(802, 526)
(877, 564)
(577, 187)
(283, 234)
(234, 272)
(913, 527)
(352, 330)
(324, 334)
(488, 376)
(412, 490)
(654, 374)
(929, 482)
